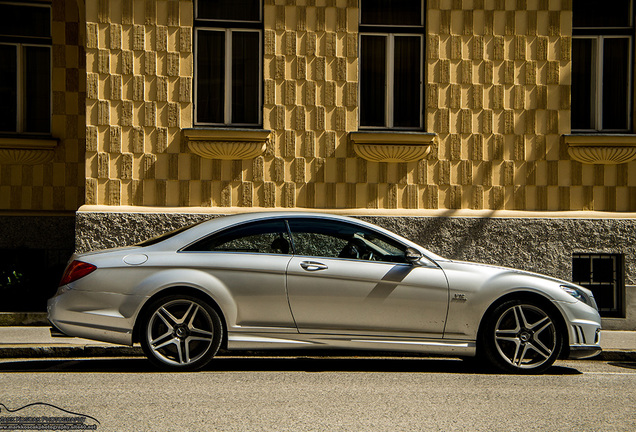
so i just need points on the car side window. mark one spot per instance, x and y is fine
(266, 237)
(333, 239)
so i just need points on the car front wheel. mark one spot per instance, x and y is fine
(181, 333)
(521, 336)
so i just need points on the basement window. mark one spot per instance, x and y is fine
(603, 274)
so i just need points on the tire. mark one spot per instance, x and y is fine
(521, 336)
(180, 333)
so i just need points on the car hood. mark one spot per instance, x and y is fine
(493, 270)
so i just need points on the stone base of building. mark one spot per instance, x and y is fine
(34, 250)
(539, 244)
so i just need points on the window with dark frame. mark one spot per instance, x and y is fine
(228, 62)
(25, 69)
(602, 47)
(603, 274)
(391, 64)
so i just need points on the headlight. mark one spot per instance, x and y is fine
(579, 295)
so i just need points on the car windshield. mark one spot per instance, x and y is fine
(165, 236)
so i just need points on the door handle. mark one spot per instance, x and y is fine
(313, 265)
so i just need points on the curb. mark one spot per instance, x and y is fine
(86, 351)
(14, 352)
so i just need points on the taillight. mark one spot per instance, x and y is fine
(75, 271)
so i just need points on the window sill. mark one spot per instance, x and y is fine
(609, 149)
(391, 146)
(27, 151)
(228, 144)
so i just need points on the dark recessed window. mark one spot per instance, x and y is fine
(603, 274)
(391, 64)
(602, 65)
(228, 62)
(25, 69)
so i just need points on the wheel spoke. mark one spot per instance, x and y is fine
(167, 317)
(506, 334)
(161, 338)
(538, 323)
(546, 325)
(519, 361)
(180, 351)
(519, 314)
(191, 314)
(201, 333)
(541, 349)
(171, 341)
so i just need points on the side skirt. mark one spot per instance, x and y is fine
(278, 341)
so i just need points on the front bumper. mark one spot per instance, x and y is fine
(584, 330)
(578, 352)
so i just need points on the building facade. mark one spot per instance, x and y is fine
(499, 131)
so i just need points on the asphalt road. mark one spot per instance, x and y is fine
(324, 394)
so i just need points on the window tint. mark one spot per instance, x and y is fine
(332, 239)
(210, 76)
(268, 237)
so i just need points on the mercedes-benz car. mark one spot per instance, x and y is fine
(292, 280)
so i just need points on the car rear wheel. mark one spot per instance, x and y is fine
(521, 336)
(181, 333)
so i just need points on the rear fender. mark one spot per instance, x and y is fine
(165, 280)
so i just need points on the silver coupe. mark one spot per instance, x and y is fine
(288, 280)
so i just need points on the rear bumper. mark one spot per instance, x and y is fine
(105, 317)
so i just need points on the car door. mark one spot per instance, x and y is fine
(345, 278)
(250, 260)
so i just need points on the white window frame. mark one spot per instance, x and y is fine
(390, 80)
(227, 100)
(597, 69)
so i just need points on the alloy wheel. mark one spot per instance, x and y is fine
(181, 332)
(525, 337)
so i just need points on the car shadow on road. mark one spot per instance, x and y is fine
(313, 364)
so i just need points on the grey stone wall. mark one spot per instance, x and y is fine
(533, 244)
(543, 245)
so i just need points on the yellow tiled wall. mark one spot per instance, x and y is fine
(497, 95)
(56, 185)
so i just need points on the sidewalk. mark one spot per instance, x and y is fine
(27, 342)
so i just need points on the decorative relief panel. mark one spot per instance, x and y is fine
(601, 149)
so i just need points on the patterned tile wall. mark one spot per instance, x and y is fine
(499, 74)
(56, 185)
(497, 95)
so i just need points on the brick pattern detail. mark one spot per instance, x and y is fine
(58, 185)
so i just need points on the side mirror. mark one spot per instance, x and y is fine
(412, 255)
